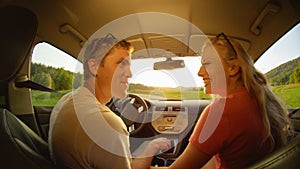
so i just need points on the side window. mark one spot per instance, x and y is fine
(56, 70)
(281, 65)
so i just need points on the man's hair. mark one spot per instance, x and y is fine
(99, 48)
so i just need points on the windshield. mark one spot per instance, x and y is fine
(181, 83)
(50, 65)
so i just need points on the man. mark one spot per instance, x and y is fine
(84, 133)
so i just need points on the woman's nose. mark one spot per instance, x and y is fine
(201, 71)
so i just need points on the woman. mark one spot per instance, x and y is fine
(244, 122)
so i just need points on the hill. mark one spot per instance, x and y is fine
(281, 74)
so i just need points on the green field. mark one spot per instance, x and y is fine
(290, 94)
(45, 98)
(163, 93)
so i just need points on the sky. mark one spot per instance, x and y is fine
(285, 49)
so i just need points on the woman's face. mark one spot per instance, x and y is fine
(115, 72)
(212, 72)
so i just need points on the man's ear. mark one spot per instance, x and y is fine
(234, 68)
(93, 66)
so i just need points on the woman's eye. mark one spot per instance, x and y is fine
(206, 63)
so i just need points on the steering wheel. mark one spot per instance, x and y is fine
(133, 111)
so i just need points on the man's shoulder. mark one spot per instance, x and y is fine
(113, 120)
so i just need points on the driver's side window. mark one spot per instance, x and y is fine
(56, 70)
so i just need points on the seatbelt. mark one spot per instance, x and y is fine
(34, 86)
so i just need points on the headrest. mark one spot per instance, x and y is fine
(18, 29)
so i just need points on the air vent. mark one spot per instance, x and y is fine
(161, 108)
(170, 108)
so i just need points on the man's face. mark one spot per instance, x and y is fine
(114, 73)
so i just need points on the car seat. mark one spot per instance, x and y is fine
(287, 156)
(21, 147)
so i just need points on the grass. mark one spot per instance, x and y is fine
(172, 94)
(40, 98)
(290, 94)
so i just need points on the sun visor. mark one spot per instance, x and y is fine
(197, 41)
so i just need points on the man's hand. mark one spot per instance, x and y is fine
(149, 149)
(158, 144)
(152, 147)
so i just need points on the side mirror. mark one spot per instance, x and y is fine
(169, 64)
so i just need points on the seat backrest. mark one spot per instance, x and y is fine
(18, 29)
(20, 146)
(287, 156)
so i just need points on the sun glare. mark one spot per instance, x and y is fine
(154, 78)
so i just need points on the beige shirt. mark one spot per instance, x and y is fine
(86, 134)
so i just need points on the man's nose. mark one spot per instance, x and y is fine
(128, 72)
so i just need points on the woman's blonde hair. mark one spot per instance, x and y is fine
(273, 111)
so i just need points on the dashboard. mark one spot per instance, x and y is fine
(174, 120)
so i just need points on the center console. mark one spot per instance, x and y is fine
(170, 122)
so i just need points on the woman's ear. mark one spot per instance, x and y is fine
(234, 68)
(93, 66)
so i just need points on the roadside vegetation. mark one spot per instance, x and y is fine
(285, 81)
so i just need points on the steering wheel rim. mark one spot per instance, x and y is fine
(139, 102)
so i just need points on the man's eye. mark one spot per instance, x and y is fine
(123, 62)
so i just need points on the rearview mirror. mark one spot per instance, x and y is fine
(169, 64)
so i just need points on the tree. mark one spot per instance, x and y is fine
(62, 79)
(43, 79)
(77, 80)
(295, 76)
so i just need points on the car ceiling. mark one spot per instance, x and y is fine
(233, 17)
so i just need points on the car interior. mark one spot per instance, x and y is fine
(67, 25)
